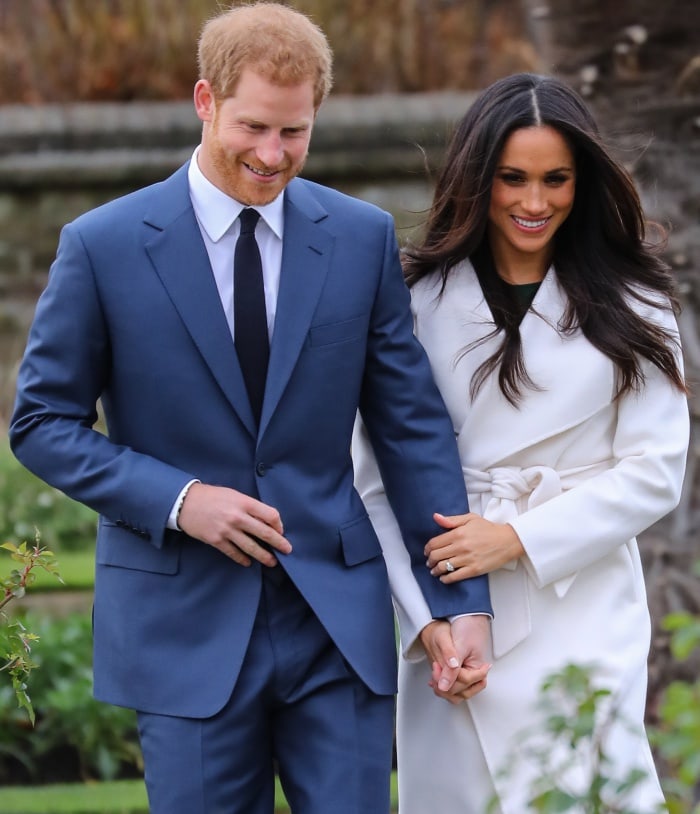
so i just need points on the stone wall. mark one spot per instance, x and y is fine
(57, 161)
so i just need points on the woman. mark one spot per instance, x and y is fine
(549, 322)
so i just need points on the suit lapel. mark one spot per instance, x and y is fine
(180, 259)
(306, 257)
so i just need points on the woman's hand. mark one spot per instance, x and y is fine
(472, 546)
(439, 646)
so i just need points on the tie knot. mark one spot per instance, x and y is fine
(249, 218)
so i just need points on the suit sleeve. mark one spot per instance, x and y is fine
(413, 440)
(65, 369)
(412, 610)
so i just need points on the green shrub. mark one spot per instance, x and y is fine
(28, 504)
(677, 736)
(75, 737)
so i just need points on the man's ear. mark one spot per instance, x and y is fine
(204, 101)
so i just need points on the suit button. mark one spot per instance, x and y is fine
(261, 469)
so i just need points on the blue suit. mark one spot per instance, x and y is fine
(131, 315)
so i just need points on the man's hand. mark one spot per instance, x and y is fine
(233, 523)
(457, 654)
(470, 681)
(473, 546)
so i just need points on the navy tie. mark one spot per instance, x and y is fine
(249, 315)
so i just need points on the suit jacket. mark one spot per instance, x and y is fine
(577, 473)
(131, 315)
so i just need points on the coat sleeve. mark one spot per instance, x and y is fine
(63, 373)
(649, 447)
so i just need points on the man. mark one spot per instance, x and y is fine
(241, 599)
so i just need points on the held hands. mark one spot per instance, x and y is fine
(472, 546)
(458, 654)
(233, 523)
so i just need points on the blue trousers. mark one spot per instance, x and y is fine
(297, 708)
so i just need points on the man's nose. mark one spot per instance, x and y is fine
(270, 151)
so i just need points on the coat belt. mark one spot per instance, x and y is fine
(500, 494)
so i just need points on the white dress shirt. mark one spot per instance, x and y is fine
(217, 215)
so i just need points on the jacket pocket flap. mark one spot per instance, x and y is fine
(335, 332)
(120, 548)
(359, 541)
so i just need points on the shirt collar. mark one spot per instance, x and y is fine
(216, 211)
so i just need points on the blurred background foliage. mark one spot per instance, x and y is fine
(27, 504)
(123, 50)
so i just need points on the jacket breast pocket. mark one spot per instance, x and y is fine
(334, 333)
(119, 548)
(359, 541)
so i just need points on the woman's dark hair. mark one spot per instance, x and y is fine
(601, 253)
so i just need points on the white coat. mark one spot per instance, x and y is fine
(577, 474)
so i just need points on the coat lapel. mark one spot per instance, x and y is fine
(576, 381)
(460, 317)
(306, 253)
(180, 259)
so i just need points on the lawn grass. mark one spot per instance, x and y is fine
(120, 797)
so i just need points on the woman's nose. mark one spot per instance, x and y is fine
(534, 201)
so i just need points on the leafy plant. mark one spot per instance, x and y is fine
(567, 751)
(15, 640)
(677, 736)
